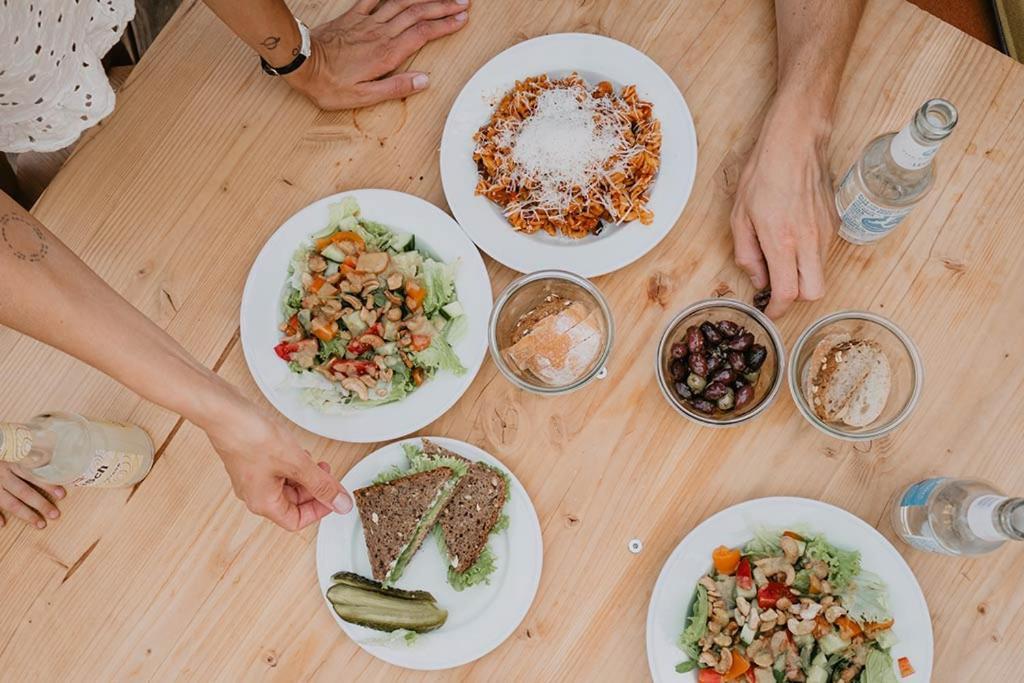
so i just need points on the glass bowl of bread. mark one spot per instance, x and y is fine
(855, 375)
(551, 332)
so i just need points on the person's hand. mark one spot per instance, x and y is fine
(784, 214)
(351, 55)
(25, 497)
(269, 470)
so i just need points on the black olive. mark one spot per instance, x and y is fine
(740, 343)
(744, 395)
(715, 360)
(698, 364)
(679, 350)
(703, 405)
(711, 334)
(736, 361)
(715, 391)
(725, 376)
(762, 298)
(694, 340)
(728, 328)
(756, 355)
(677, 369)
(683, 390)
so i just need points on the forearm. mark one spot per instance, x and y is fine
(48, 293)
(267, 26)
(814, 43)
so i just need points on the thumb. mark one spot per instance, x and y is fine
(324, 487)
(392, 87)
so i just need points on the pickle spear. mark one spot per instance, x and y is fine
(366, 603)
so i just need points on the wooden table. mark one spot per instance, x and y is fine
(171, 200)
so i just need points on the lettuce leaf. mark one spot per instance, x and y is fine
(843, 564)
(439, 356)
(878, 668)
(439, 280)
(866, 598)
(698, 624)
(764, 544)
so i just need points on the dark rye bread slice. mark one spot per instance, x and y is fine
(391, 512)
(473, 510)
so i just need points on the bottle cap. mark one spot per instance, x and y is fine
(15, 441)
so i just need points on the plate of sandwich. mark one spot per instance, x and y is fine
(441, 559)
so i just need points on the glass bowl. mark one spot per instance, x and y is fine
(769, 380)
(904, 361)
(524, 295)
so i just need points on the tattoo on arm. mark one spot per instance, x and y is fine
(271, 42)
(25, 240)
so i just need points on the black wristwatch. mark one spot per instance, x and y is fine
(300, 58)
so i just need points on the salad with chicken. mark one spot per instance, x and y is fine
(790, 607)
(368, 316)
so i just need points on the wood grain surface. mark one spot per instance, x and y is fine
(172, 198)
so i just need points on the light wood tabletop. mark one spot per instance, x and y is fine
(171, 199)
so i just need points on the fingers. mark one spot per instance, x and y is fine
(391, 88)
(415, 37)
(782, 271)
(323, 486)
(403, 14)
(27, 494)
(10, 504)
(810, 276)
(747, 250)
(55, 491)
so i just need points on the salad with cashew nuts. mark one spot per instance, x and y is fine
(368, 316)
(790, 607)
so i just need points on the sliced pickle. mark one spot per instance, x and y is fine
(357, 581)
(385, 609)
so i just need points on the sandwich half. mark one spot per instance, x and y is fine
(398, 514)
(472, 512)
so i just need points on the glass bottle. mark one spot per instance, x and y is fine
(892, 175)
(957, 516)
(64, 448)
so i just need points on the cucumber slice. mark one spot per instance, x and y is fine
(333, 252)
(452, 310)
(403, 241)
(382, 610)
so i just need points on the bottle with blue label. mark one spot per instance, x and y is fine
(957, 516)
(893, 174)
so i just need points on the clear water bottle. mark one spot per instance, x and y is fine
(957, 516)
(892, 175)
(63, 448)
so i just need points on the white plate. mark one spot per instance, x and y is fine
(735, 526)
(479, 618)
(595, 58)
(261, 315)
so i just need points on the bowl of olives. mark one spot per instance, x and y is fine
(720, 362)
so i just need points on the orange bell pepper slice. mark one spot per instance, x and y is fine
(726, 559)
(873, 627)
(325, 332)
(416, 292)
(343, 236)
(794, 535)
(848, 628)
(740, 665)
(317, 283)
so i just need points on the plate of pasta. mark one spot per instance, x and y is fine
(569, 151)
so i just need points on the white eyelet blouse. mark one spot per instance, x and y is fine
(52, 84)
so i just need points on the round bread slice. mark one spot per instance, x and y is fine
(869, 400)
(845, 369)
(811, 381)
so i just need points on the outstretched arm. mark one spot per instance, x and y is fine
(784, 214)
(47, 293)
(352, 55)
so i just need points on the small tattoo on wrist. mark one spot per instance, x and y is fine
(271, 42)
(25, 240)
